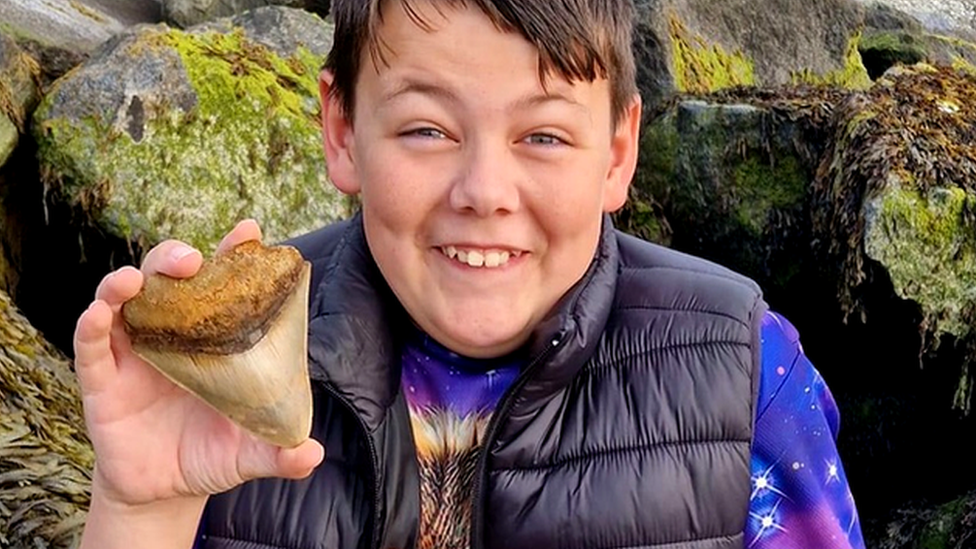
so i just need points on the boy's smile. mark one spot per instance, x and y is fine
(483, 191)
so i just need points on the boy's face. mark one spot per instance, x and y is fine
(482, 191)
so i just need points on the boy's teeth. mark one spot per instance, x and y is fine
(477, 258)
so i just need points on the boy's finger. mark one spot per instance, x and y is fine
(119, 286)
(94, 361)
(299, 462)
(242, 232)
(172, 258)
(261, 460)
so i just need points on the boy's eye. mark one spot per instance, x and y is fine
(544, 139)
(429, 133)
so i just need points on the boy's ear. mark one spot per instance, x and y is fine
(337, 139)
(623, 156)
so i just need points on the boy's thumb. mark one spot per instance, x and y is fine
(299, 462)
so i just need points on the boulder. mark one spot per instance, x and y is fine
(700, 46)
(187, 13)
(941, 16)
(728, 177)
(46, 458)
(892, 37)
(946, 525)
(61, 33)
(18, 96)
(18, 93)
(179, 134)
(897, 192)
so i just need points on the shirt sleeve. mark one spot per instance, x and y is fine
(800, 497)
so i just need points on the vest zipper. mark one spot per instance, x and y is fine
(374, 461)
(477, 524)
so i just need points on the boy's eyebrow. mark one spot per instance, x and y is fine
(550, 96)
(410, 85)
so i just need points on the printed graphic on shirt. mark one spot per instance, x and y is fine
(451, 400)
(800, 497)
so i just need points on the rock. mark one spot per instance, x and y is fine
(284, 31)
(893, 37)
(179, 134)
(882, 49)
(18, 94)
(61, 33)
(186, 13)
(46, 458)
(699, 46)
(882, 17)
(946, 525)
(729, 176)
(940, 16)
(897, 192)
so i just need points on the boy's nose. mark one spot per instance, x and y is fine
(488, 181)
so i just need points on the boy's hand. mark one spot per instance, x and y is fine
(154, 441)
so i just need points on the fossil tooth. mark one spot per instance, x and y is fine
(235, 335)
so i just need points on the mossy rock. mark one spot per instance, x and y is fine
(18, 93)
(187, 13)
(700, 46)
(896, 196)
(927, 242)
(729, 181)
(948, 525)
(179, 134)
(881, 50)
(46, 458)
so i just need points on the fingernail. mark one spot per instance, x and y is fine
(180, 252)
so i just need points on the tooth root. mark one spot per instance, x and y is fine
(492, 259)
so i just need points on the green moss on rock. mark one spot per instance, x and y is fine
(764, 187)
(700, 67)
(247, 145)
(927, 246)
(853, 75)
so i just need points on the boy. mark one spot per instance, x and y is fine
(492, 363)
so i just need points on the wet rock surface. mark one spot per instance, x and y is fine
(697, 46)
(186, 13)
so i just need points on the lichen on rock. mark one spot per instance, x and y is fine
(171, 133)
(853, 75)
(700, 67)
(727, 177)
(18, 93)
(897, 193)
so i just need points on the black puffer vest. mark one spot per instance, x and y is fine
(631, 426)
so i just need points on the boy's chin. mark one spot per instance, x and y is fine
(482, 341)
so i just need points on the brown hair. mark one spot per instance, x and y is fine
(579, 40)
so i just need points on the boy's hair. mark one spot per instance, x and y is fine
(579, 40)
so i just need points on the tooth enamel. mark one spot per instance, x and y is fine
(492, 259)
(476, 259)
(480, 258)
